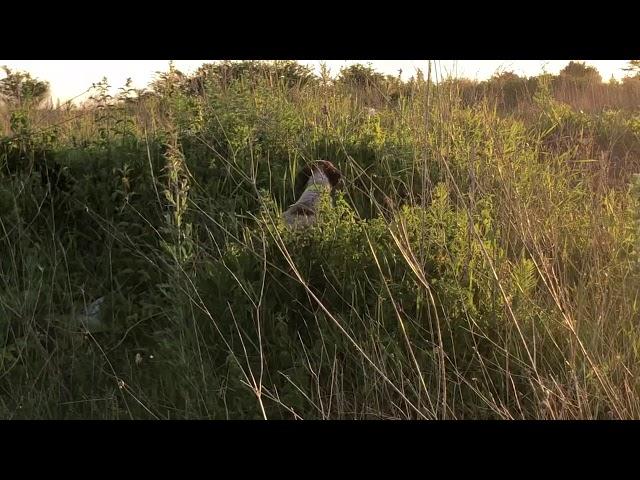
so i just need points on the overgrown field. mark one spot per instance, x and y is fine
(481, 261)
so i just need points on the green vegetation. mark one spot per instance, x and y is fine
(482, 260)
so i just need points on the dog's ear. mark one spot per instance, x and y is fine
(301, 180)
(333, 174)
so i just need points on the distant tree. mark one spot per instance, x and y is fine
(633, 67)
(293, 74)
(506, 77)
(581, 72)
(18, 89)
(359, 76)
(227, 72)
(509, 89)
(286, 72)
(631, 88)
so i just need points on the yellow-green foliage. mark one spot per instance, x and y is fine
(481, 261)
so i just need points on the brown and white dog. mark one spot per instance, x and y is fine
(314, 181)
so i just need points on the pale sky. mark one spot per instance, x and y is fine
(69, 78)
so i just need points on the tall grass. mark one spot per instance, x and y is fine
(477, 264)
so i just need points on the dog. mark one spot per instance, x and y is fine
(317, 180)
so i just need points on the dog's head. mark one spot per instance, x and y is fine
(327, 168)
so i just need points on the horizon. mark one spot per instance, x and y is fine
(70, 78)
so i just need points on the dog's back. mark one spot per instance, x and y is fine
(318, 179)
